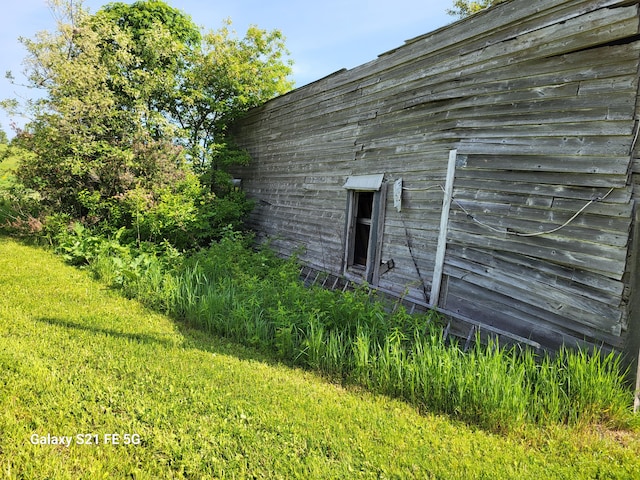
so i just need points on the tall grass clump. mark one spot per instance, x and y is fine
(255, 298)
(594, 384)
(484, 385)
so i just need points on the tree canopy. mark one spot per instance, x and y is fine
(134, 114)
(228, 77)
(465, 8)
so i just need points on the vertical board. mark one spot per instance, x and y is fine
(444, 226)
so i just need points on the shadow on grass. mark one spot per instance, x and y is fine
(191, 337)
(194, 336)
(137, 337)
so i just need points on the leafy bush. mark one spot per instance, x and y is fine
(185, 214)
(20, 212)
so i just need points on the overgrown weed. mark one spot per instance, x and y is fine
(255, 298)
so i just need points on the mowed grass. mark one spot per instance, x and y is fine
(76, 359)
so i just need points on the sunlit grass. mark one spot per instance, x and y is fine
(7, 168)
(76, 358)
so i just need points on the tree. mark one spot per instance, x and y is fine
(3, 137)
(87, 128)
(465, 8)
(136, 103)
(227, 77)
(209, 79)
(156, 57)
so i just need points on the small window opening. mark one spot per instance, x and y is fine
(363, 227)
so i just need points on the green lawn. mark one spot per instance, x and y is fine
(79, 361)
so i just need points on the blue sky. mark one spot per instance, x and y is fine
(322, 36)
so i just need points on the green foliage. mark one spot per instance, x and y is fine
(141, 17)
(465, 8)
(80, 247)
(132, 128)
(228, 76)
(184, 213)
(19, 206)
(8, 164)
(151, 198)
(151, 65)
(90, 145)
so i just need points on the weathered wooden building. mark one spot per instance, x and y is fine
(489, 169)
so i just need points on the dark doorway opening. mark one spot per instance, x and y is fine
(363, 227)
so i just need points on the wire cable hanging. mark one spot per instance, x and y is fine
(512, 232)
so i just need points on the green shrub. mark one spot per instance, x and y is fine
(20, 212)
(183, 213)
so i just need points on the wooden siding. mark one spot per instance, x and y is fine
(540, 101)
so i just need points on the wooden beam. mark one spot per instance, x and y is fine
(632, 346)
(444, 225)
